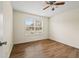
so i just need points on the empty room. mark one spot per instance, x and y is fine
(39, 29)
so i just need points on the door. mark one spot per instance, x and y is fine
(1, 35)
(2, 41)
(1, 30)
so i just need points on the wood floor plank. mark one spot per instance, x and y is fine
(44, 49)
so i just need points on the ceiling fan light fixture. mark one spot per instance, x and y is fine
(53, 9)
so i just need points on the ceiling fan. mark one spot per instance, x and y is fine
(54, 4)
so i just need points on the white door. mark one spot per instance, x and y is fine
(1, 33)
(2, 41)
(1, 30)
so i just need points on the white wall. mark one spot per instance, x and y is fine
(20, 34)
(8, 27)
(64, 28)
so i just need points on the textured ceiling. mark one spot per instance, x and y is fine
(36, 7)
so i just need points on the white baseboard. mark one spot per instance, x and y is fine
(72, 45)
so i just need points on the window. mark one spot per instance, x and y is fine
(33, 25)
(29, 24)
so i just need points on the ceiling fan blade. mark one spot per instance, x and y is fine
(46, 2)
(50, 2)
(60, 3)
(46, 7)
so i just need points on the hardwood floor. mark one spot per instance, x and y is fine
(44, 49)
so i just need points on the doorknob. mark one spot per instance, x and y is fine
(3, 43)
